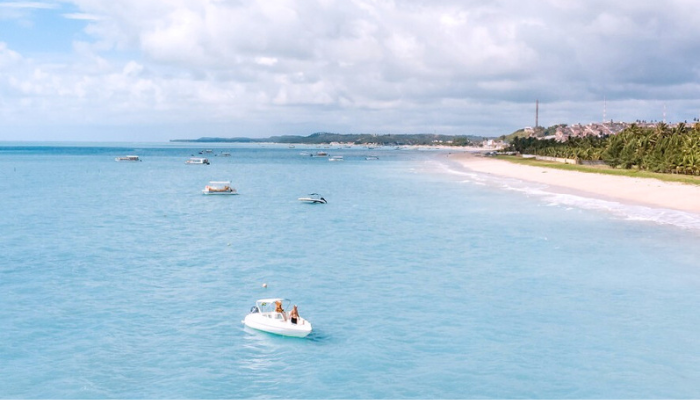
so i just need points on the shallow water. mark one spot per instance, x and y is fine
(121, 280)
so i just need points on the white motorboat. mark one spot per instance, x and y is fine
(263, 317)
(219, 187)
(197, 160)
(314, 198)
(335, 158)
(128, 158)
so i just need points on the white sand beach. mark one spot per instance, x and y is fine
(641, 191)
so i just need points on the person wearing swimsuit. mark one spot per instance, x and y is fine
(279, 309)
(294, 315)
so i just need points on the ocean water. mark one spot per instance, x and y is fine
(421, 279)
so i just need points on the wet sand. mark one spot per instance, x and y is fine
(639, 191)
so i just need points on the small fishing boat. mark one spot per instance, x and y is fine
(219, 187)
(320, 154)
(314, 198)
(128, 158)
(263, 316)
(197, 160)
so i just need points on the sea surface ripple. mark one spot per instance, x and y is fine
(121, 280)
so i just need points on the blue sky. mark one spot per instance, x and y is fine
(154, 70)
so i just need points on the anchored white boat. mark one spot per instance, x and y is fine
(264, 317)
(335, 158)
(314, 198)
(197, 160)
(128, 158)
(219, 187)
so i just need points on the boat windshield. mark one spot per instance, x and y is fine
(220, 184)
(268, 305)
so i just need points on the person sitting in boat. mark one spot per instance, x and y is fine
(294, 315)
(218, 189)
(279, 309)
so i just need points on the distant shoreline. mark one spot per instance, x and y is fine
(637, 191)
(330, 138)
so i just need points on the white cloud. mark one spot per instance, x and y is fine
(466, 66)
(82, 16)
(7, 56)
(29, 5)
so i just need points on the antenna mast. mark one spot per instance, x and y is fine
(605, 106)
(664, 113)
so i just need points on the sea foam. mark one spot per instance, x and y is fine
(554, 196)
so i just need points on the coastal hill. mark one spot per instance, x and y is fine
(661, 148)
(563, 132)
(358, 139)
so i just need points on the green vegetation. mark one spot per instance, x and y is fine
(520, 133)
(662, 149)
(360, 139)
(538, 132)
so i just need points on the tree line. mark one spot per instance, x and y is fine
(662, 148)
(359, 139)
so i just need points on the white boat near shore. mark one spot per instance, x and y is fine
(198, 160)
(263, 317)
(313, 198)
(219, 187)
(128, 158)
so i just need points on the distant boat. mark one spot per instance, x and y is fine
(336, 158)
(219, 187)
(128, 158)
(371, 158)
(225, 154)
(320, 154)
(314, 198)
(197, 160)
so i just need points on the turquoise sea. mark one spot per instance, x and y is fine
(422, 280)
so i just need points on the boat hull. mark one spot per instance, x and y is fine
(311, 200)
(207, 192)
(261, 322)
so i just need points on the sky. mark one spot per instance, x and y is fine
(155, 70)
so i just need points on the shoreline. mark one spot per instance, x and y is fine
(646, 192)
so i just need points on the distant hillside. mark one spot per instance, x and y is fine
(563, 132)
(520, 133)
(360, 139)
(534, 132)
